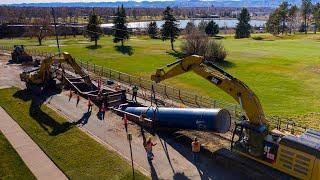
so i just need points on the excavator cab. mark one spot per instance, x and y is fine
(258, 143)
(19, 55)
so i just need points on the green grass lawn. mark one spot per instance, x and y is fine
(75, 153)
(282, 71)
(11, 165)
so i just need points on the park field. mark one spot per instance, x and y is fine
(283, 71)
(11, 165)
(61, 140)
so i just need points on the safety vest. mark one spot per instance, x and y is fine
(135, 89)
(125, 120)
(149, 146)
(195, 147)
(103, 109)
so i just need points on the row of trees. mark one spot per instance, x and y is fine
(286, 18)
(210, 28)
(168, 31)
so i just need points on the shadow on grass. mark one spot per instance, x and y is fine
(94, 47)
(45, 121)
(225, 64)
(218, 37)
(124, 49)
(175, 54)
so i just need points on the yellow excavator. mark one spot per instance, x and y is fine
(19, 55)
(44, 76)
(296, 155)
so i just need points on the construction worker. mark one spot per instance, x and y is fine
(149, 145)
(70, 95)
(134, 93)
(195, 149)
(89, 104)
(125, 122)
(99, 84)
(141, 118)
(78, 99)
(118, 87)
(103, 111)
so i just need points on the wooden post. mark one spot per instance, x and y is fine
(235, 110)
(165, 91)
(196, 99)
(87, 65)
(129, 79)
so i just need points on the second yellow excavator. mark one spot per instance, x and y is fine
(298, 156)
(44, 76)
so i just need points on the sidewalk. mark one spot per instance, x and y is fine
(35, 159)
(172, 159)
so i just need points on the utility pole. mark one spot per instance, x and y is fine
(55, 31)
(130, 139)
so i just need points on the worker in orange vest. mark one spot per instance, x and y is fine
(149, 145)
(125, 122)
(195, 149)
(103, 111)
(89, 104)
(70, 95)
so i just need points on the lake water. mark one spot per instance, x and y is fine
(230, 23)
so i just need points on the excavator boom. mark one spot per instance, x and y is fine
(229, 84)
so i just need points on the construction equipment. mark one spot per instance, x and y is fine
(44, 76)
(19, 55)
(298, 156)
(51, 71)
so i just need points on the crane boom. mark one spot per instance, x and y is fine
(237, 89)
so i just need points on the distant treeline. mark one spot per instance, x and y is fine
(7, 31)
(26, 15)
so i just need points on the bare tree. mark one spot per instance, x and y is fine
(293, 16)
(39, 29)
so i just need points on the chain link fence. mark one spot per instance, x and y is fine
(180, 97)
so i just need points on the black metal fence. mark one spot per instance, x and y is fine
(166, 92)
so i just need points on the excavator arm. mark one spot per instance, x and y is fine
(43, 74)
(71, 61)
(44, 70)
(229, 84)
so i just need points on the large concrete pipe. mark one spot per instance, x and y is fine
(217, 120)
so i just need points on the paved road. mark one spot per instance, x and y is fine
(172, 159)
(35, 159)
